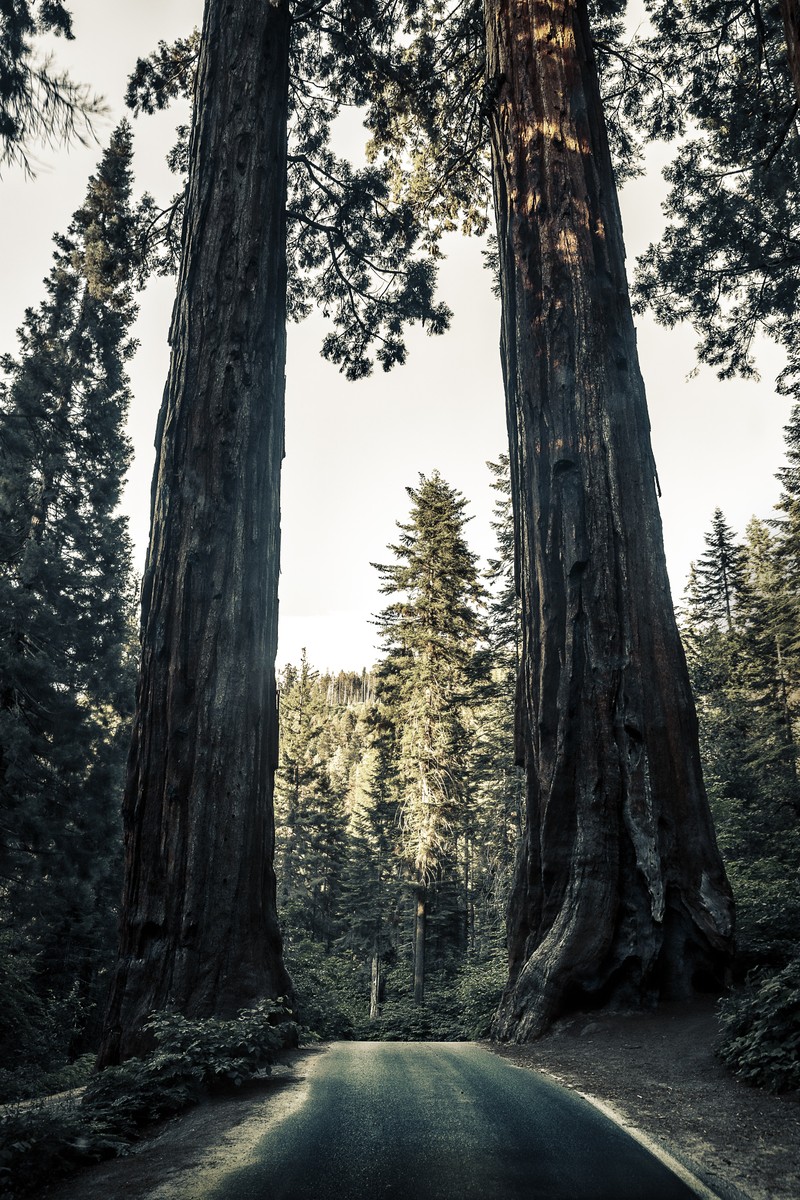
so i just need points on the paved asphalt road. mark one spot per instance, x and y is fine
(441, 1121)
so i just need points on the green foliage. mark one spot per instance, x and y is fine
(401, 1020)
(760, 1039)
(39, 1029)
(37, 105)
(67, 602)
(330, 990)
(309, 809)
(354, 245)
(459, 1005)
(190, 1059)
(368, 760)
(767, 892)
(430, 631)
(427, 696)
(41, 1143)
(498, 782)
(739, 626)
(727, 259)
(718, 577)
(477, 989)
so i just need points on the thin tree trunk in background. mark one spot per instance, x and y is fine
(620, 895)
(375, 988)
(199, 931)
(788, 720)
(419, 943)
(466, 931)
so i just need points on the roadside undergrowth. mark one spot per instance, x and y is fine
(190, 1060)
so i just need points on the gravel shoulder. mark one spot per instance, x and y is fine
(657, 1071)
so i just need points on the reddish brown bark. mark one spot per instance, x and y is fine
(620, 895)
(198, 929)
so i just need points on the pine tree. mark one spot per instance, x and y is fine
(498, 785)
(66, 603)
(309, 813)
(717, 578)
(371, 891)
(787, 524)
(746, 707)
(429, 633)
(769, 633)
(335, 857)
(504, 624)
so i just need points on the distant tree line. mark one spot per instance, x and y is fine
(398, 803)
(384, 872)
(741, 625)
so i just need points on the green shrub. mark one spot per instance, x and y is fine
(477, 989)
(459, 1005)
(760, 1030)
(32, 1081)
(331, 990)
(401, 1020)
(39, 1143)
(767, 897)
(36, 1030)
(190, 1059)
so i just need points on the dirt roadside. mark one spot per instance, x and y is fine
(656, 1071)
(219, 1134)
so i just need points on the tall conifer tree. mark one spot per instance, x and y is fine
(425, 680)
(65, 587)
(718, 576)
(746, 690)
(787, 523)
(309, 816)
(371, 880)
(499, 781)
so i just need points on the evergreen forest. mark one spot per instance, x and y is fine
(351, 854)
(553, 791)
(399, 804)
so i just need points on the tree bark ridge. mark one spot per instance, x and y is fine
(199, 931)
(620, 895)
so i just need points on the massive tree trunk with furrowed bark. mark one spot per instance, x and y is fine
(198, 927)
(620, 896)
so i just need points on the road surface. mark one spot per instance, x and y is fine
(440, 1121)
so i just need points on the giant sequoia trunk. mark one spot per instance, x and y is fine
(620, 895)
(198, 930)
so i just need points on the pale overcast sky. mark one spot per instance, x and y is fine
(352, 448)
